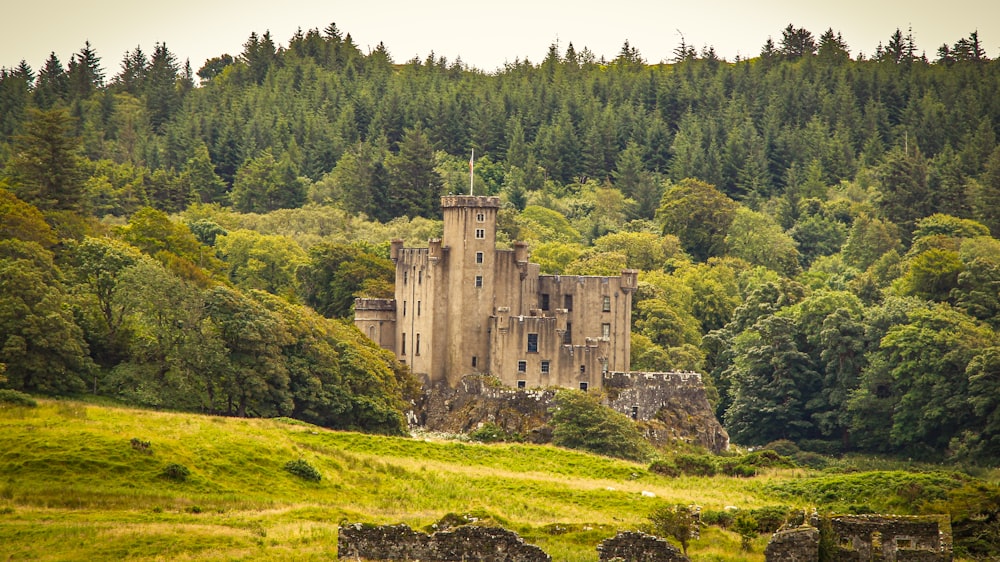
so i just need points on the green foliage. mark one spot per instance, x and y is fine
(337, 273)
(674, 521)
(699, 215)
(14, 398)
(303, 470)
(580, 421)
(46, 165)
(696, 465)
(176, 472)
(490, 432)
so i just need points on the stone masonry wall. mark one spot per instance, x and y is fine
(800, 544)
(639, 547)
(466, 543)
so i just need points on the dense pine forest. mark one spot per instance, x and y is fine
(816, 233)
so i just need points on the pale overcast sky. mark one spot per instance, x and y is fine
(484, 34)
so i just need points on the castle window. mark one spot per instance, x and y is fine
(568, 334)
(568, 302)
(545, 301)
(416, 348)
(480, 217)
(545, 366)
(521, 384)
(635, 412)
(418, 308)
(479, 257)
(420, 277)
(606, 330)
(532, 343)
(404, 344)
(607, 304)
(583, 370)
(404, 308)
(406, 276)
(522, 366)
(583, 386)
(479, 281)
(475, 360)
(480, 233)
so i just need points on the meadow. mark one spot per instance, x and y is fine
(84, 481)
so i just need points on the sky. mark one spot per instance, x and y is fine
(486, 35)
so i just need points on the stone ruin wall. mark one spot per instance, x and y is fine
(467, 543)
(638, 547)
(890, 538)
(670, 407)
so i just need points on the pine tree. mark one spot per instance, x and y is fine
(46, 164)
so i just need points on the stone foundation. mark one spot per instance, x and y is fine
(639, 547)
(466, 543)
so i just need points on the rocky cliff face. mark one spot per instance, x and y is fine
(669, 406)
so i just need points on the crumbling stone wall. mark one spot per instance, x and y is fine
(467, 543)
(479, 399)
(799, 544)
(867, 537)
(638, 547)
(674, 404)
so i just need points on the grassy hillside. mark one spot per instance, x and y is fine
(73, 486)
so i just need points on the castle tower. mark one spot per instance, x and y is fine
(470, 225)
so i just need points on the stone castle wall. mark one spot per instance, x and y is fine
(400, 542)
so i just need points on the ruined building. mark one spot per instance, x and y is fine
(465, 307)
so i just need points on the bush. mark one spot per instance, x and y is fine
(769, 518)
(490, 432)
(696, 465)
(723, 519)
(665, 467)
(176, 472)
(580, 421)
(783, 447)
(303, 470)
(16, 398)
(140, 445)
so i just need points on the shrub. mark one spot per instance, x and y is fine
(490, 432)
(723, 519)
(140, 445)
(676, 521)
(665, 467)
(783, 447)
(176, 472)
(303, 470)
(769, 518)
(696, 465)
(580, 421)
(16, 398)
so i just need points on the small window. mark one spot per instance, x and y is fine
(406, 276)
(545, 301)
(420, 277)
(606, 330)
(404, 308)
(532, 343)
(521, 384)
(481, 217)
(583, 369)
(904, 543)
(418, 308)
(568, 334)
(583, 386)
(479, 257)
(607, 304)
(404, 344)
(635, 412)
(479, 281)
(568, 302)
(416, 348)
(480, 233)
(522, 366)
(545, 366)
(475, 360)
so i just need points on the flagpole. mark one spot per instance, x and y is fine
(471, 176)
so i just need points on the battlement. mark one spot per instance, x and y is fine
(374, 304)
(618, 379)
(490, 202)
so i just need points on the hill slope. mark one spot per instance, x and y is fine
(74, 486)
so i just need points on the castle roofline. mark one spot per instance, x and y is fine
(482, 201)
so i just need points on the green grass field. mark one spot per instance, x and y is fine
(73, 487)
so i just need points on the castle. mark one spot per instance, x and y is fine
(465, 307)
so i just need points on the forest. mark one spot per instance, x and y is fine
(816, 233)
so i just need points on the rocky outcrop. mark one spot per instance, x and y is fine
(467, 543)
(669, 406)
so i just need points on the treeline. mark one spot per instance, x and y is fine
(815, 233)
